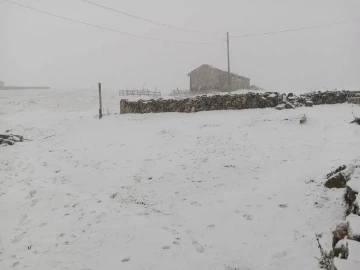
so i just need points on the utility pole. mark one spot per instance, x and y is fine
(228, 56)
(100, 101)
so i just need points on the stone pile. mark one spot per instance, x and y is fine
(346, 236)
(291, 101)
(232, 102)
(10, 139)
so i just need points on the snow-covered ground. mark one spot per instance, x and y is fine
(212, 190)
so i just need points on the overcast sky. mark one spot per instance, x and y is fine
(36, 49)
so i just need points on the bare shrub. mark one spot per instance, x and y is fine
(326, 260)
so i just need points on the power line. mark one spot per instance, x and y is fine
(149, 20)
(102, 27)
(297, 29)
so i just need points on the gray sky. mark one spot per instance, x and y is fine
(37, 49)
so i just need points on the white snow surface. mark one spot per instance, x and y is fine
(211, 190)
(354, 225)
(354, 182)
(346, 264)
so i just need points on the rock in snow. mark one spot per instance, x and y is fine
(351, 247)
(339, 177)
(341, 250)
(272, 95)
(352, 200)
(303, 119)
(309, 103)
(341, 168)
(340, 232)
(336, 181)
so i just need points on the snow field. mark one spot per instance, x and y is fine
(211, 190)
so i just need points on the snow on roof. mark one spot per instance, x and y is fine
(216, 69)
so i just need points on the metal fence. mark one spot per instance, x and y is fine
(180, 93)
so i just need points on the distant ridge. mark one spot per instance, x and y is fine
(23, 87)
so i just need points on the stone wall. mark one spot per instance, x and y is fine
(346, 235)
(232, 102)
(354, 97)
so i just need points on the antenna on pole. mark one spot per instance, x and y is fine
(228, 57)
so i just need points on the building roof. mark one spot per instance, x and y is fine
(215, 69)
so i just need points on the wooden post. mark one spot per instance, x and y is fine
(228, 56)
(100, 102)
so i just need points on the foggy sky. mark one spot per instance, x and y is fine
(36, 49)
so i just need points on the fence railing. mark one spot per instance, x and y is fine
(180, 93)
(144, 92)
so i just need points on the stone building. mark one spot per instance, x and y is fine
(206, 79)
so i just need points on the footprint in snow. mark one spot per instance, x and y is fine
(114, 195)
(199, 248)
(18, 238)
(142, 214)
(281, 254)
(195, 203)
(125, 259)
(101, 215)
(31, 194)
(231, 268)
(22, 220)
(247, 217)
(34, 202)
